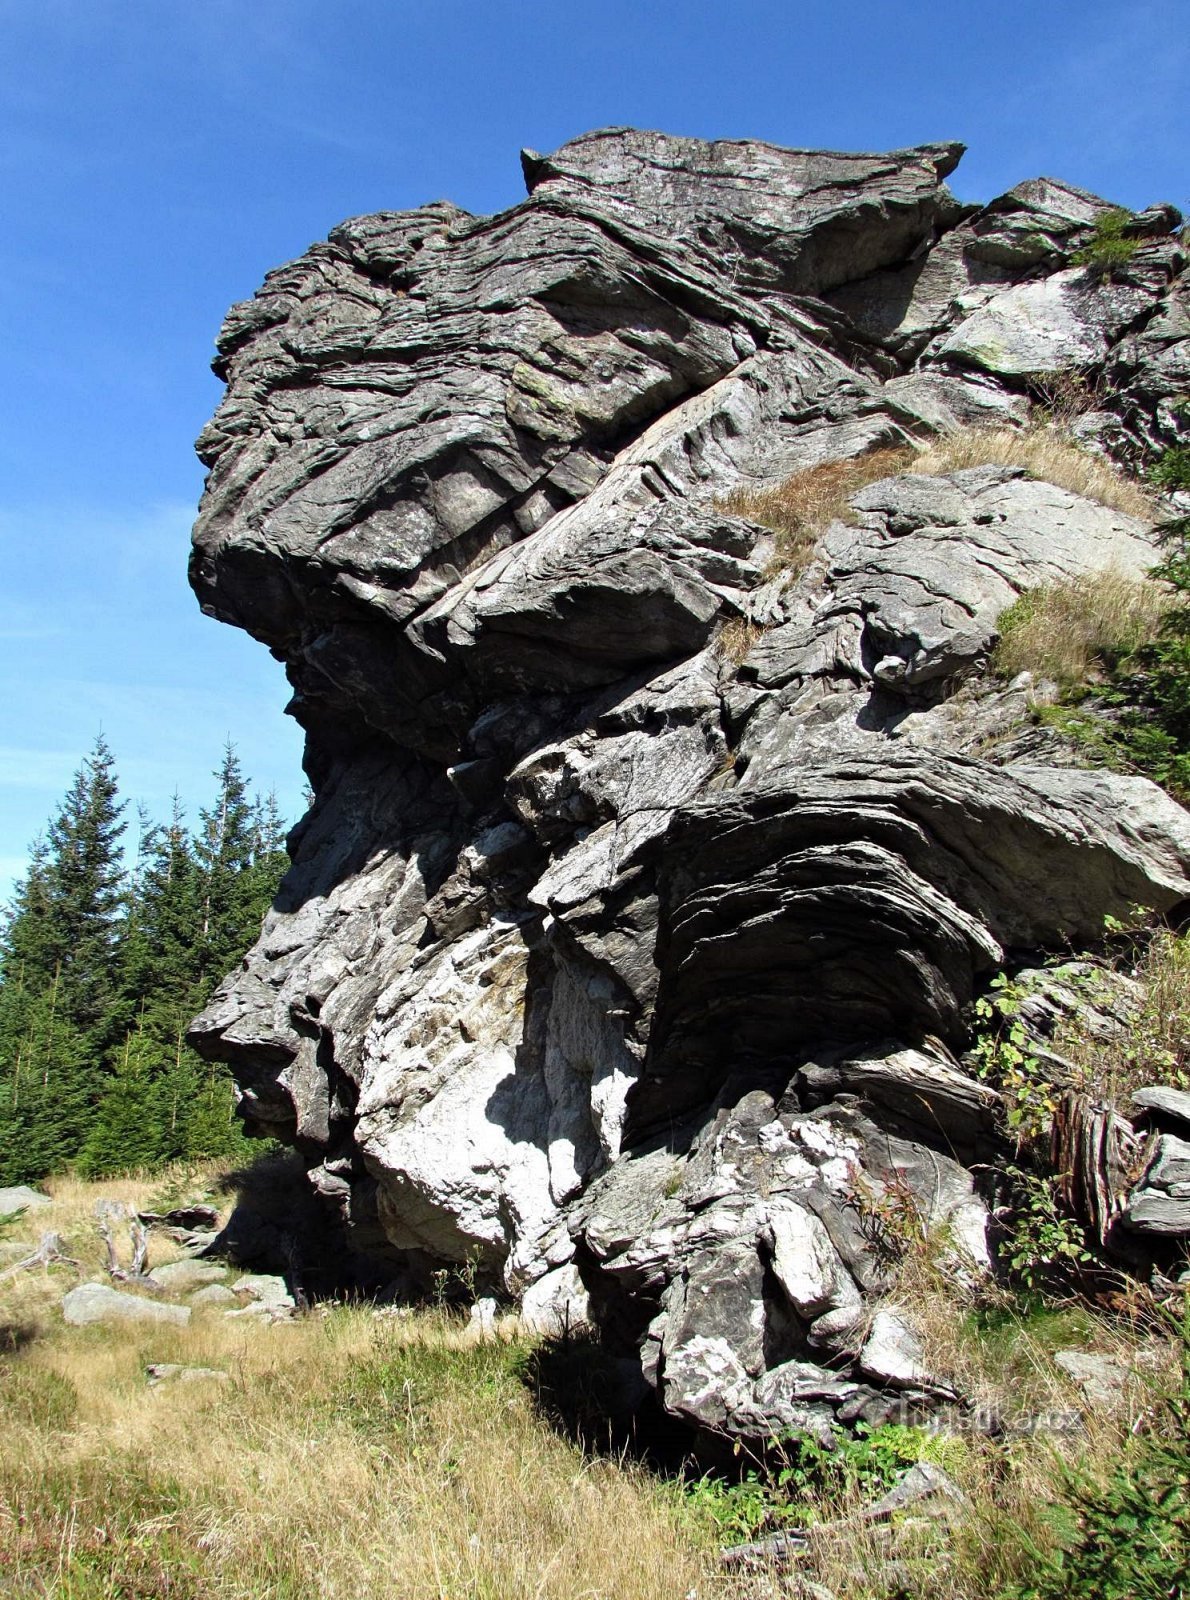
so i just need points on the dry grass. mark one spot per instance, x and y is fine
(347, 1455)
(350, 1455)
(1073, 631)
(1045, 453)
(736, 639)
(801, 509)
(1155, 1048)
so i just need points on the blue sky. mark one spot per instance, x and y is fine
(157, 158)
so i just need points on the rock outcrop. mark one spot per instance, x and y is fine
(622, 976)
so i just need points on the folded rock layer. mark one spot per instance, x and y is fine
(621, 974)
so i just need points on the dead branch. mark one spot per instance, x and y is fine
(109, 1211)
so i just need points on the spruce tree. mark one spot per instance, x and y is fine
(101, 972)
(85, 877)
(224, 848)
(127, 1134)
(58, 985)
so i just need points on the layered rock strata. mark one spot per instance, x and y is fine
(628, 976)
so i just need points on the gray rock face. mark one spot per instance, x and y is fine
(98, 1302)
(627, 978)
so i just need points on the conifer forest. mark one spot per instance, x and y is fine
(105, 956)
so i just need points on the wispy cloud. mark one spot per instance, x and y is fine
(24, 767)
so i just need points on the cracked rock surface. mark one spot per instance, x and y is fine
(619, 973)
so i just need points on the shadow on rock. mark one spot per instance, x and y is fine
(602, 1403)
(278, 1225)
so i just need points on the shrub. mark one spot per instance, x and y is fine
(1171, 470)
(1150, 689)
(809, 1478)
(1109, 246)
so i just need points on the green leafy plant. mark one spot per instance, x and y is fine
(1149, 693)
(1043, 1244)
(1110, 245)
(1171, 470)
(1003, 1058)
(807, 1477)
(890, 1217)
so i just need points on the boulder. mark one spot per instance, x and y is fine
(179, 1277)
(626, 964)
(22, 1198)
(1100, 1377)
(170, 1372)
(99, 1302)
(265, 1289)
(214, 1296)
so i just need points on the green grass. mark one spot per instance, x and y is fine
(1110, 246)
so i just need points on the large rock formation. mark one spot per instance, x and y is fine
(617, 970)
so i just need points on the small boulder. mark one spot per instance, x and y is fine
(483, 1317)
(265, 1288)
(159, 1372)
(179, 1277)
(21, 1198)
(556, 1304)
(214, 1295)
(892, 1352)
(923, 1481)
(1099, 1377)
(98, 1302)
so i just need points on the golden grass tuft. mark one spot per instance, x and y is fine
(801, 509)
(1072, 631)
(1045, 453)
(736, 639)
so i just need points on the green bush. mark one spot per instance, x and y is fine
(1109, 246)
(807, 1476)
(1150, 688)
(1171, 470)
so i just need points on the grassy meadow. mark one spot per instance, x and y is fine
(362, 1451)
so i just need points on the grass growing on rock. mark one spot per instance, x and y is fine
(1044, 452)
(1067, 632)
(800, 509)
